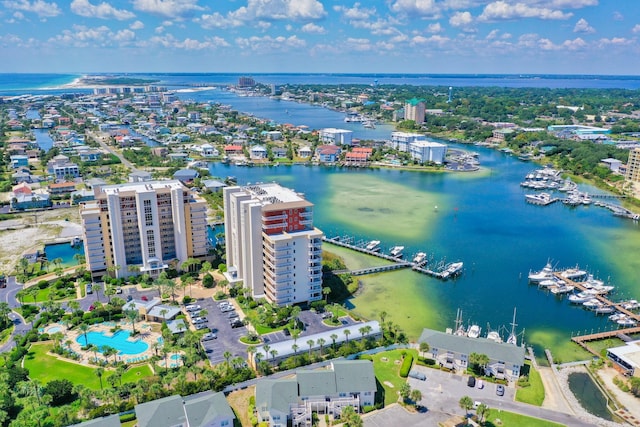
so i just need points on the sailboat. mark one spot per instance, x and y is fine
(460, 331)
(513, 337)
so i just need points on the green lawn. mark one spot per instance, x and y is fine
(534, 393)
(46, 368)
(498, 418)
(387, 372)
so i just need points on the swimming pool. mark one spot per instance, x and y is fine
(176, 357)
(119, 341)
(54, 329)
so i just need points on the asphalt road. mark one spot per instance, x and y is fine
(8, 295)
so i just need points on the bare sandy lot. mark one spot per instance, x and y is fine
(28, 232)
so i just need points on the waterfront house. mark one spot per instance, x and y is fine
(231, 150)
(213, 185)
(30, 201)
(178, 157)
(258, 152)
(279, 152)
(328, 153)
(453, 351)
(60, 167)
(208, 150)
(186, 176)
(90, 155)
(139, 176)
(22, 176)
(160, 151)
(626, 358)
(305, 152)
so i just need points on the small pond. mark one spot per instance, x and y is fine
(589, 395)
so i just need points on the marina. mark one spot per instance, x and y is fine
(592, 294)
(441, 270)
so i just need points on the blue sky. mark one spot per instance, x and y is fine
(369, 36)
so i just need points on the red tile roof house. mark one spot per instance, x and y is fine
(233, 149)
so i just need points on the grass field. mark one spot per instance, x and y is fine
(534, 394)
(45, 368)
(386, 366)
(498, 418)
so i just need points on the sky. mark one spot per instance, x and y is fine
(321, 36)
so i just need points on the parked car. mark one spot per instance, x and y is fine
(193, 307)
(89, 288)
(223, 303)
(196, 320)
(417, 375)
(118, 290)
(129, 298)
(471, 382)
(145, 298)
(232, 314)
(476, 404)
(500, 390)
(201, 326)
(227, 308)
(480, 384)
(236, 323)
(209, 336)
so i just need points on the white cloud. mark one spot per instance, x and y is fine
(124, 35)
(356, 12)
(268, 43)
(564, 4)
(501, 10)
(417, 7)
(432, 40)
(263, 25)
(617, 16)
(103, 10)
(272, 10)
(572, 45)
(216, 20)
(461, 19)
(39, 7)
(170, 42)
(313, 28)
(582, 26)
(615, 41)
(493, 35)
(434, 28)
(636, 29)
(358, 44)
(137, 25)
(174, 9)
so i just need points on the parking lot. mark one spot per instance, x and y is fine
(312, 325)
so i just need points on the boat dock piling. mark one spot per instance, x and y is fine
(398, 263)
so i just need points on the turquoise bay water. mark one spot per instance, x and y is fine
(486, 223)
(119, 341)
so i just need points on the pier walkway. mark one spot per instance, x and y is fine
(582, 340)
(398, 263)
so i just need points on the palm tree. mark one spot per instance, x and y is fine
(326, 291)
(334, 337)
(94, 348)
(227, 355)
(132, 315)
(295, 349)
(99, 372)
(266, 349)
(310, 344)
(424, 347)
(416, 396)
(273, 353)
(321, 343)
(109, 351)
(466, 404)
(383, 315)
(84, 328)
(482, 411)
(251, 351)
(346, 333)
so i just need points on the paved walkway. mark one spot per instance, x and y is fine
(554, 399)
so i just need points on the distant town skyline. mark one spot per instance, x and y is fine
(370, 36)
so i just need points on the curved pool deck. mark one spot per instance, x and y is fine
(130, 350)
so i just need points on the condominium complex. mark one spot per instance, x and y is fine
(401, 140)
(633, 165)
(140, 227)
(414, 109)
(428, 152)
(335, 136)
(272, 245)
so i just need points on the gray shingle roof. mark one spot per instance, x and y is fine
(507, 353)
(354, 375)
(202, 410)
(316, 383)
(110, 421)
(276, 394)
(165, 412)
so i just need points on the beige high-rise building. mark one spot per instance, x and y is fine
(272, 245)
(141, 227)
(414, 109)
(633, 165)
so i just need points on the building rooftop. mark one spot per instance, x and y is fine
(630, 353)
(141, 187)
(109, 421)
(274, 193)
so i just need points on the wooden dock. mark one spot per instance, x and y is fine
(583, 340)
(398, 262)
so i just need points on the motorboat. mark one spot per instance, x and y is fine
(547, 283)
(592, 304)
(75, 242)
(630, 305)
(452, 269)
(580, 298)
(591, 282)
(538, 199)
(494, 336)
(573, 273)
(474, 331)
(373, 246)
(600, 290)
(419, 258)
(562, 289)
(626, 321)
(604, 309)
(396, 251)
(617, 316)
(545, 274)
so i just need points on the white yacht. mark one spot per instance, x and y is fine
(538, 199)
(474, 331)
(573, 273)
(605, 309)
(547, 283)
(396, 251)
(626, 321)
(545, 274)
(562, 289)
(592, 304)
(580, 298)
(452, 269)
(494, 336)
(419, 258)
(373, 246)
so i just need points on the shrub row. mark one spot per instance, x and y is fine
(406, 365)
